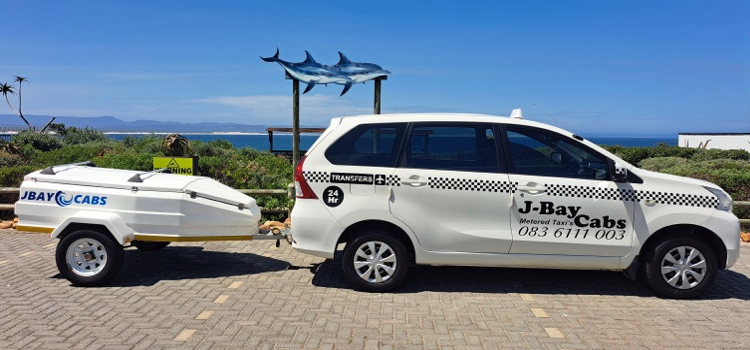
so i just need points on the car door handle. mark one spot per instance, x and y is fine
(415, 181)
(535, 189)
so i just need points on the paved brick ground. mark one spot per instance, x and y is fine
(252, 295)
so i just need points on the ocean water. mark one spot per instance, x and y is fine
(284, 141)
(255, 141)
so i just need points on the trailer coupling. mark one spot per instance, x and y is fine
(275, 233)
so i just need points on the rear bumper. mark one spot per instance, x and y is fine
(315, 230)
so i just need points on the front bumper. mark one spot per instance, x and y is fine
(727, 227)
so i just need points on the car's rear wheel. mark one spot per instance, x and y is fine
(375, 261)
(88, 258)
(681, 268)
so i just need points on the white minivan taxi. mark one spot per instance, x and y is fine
(479, 190)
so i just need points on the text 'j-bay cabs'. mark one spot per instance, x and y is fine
(478, 190)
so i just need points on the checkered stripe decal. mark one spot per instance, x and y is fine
(592, 192)
(316, 176)
(392, 180)
(471, 185)
(690, 200)
(629, 195)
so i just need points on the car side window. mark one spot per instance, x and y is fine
(453, 147)
(368, 145)
(544, 153)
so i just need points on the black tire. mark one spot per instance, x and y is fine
(149, 246)
(88, 258)
(687, 279)
(392, 267)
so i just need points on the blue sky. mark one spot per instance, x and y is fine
(599, 68)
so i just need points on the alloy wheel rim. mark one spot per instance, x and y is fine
(86, 257)
(375, 262)
(683, 267)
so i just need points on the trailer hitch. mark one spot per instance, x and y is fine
(275, 233)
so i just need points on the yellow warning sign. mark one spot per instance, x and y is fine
(177, 165)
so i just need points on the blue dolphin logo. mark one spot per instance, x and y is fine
(60, 199)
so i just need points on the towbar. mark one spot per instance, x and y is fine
(51, 171)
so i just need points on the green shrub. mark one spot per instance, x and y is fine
(13, 176)
(209, 149)
(127, 161)
(129, 141)
(662, 164)
(711, 154)
(75, 136)
(72, 154)
(635, 155)
(221, 144)
(10, 159)
(143, 144)
(41, 142)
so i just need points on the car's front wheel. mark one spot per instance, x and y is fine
(375, 261)
(681, 268)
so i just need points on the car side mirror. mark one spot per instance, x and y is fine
(620, 174)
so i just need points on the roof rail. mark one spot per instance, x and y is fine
(51, 171)
(138, 178)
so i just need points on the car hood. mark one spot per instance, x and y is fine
(647, 175)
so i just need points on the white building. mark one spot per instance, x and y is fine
(715, 140)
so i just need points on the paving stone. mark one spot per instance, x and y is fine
(277, 298)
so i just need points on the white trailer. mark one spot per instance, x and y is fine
(95, 212)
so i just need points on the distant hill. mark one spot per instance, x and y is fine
(107, 123)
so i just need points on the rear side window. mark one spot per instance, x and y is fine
(453, 147)
(368, 145)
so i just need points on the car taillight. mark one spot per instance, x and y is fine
(302, 188)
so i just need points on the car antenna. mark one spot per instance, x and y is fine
(545, 112)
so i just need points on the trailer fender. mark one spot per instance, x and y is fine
(121, 232)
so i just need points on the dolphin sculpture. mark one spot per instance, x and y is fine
(359, 72)
(345, 72)
(311, 72)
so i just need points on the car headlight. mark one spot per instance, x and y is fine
(725, 201)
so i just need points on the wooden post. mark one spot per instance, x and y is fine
(377, 95)
(295, 123)
(270, 141)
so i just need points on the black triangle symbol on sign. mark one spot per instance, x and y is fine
(173, 164)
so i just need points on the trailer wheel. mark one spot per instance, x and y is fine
(149, 246)
(88, 258)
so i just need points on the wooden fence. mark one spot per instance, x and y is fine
(741, 204)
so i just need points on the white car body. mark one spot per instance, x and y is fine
(502, 217)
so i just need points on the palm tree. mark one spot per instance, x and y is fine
(6, 89)
(20, 80)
